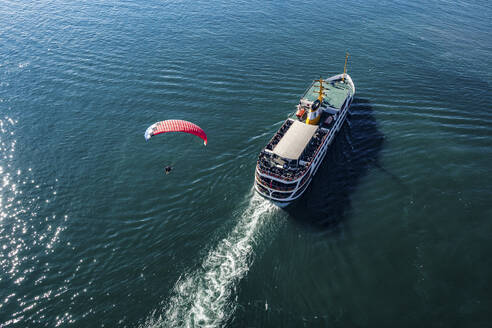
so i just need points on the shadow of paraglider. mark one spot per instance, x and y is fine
(353, 152)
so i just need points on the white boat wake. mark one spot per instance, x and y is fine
(204, 298)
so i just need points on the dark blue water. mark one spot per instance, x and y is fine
(395, 229)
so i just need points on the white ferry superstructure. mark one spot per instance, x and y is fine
(288, 163)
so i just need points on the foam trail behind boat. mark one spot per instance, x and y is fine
(204, 298)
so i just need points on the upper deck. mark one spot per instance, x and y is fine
(293, 148)
(334, 94)
(295, 140)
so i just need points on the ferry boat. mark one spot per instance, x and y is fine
(288, 163)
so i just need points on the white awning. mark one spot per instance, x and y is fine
(295, 140)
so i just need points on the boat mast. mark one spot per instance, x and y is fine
(345, 67)
(321, 89)
(314, 112)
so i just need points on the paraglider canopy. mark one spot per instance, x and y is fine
(175, 126)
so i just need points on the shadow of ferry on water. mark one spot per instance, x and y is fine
(355, 149)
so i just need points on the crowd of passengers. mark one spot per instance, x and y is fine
(313, 145)
(286, 172)
(293, 172)
(280, 133)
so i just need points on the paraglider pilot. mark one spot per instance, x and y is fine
(168, 169)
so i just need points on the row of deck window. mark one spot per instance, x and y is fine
(274, 184)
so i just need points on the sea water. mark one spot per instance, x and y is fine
(394, 229)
